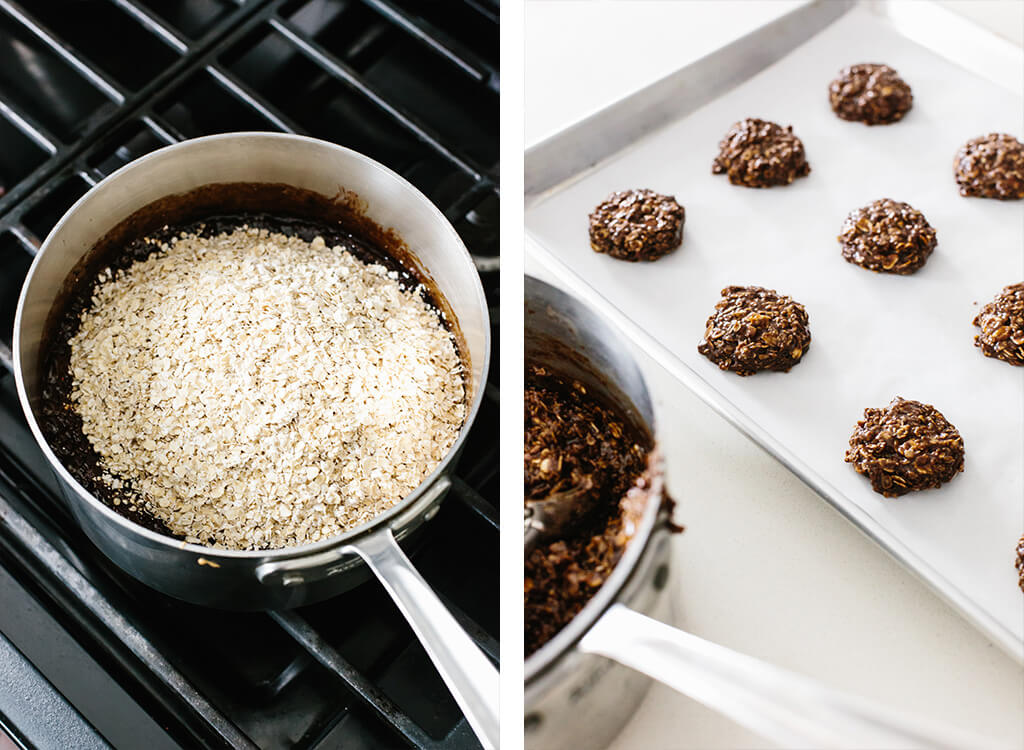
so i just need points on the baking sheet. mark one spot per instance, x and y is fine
(875, 336)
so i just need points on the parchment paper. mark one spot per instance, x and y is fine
(874, 336)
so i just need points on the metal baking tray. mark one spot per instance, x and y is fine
(875, 336)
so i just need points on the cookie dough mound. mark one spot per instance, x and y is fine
(887, 236)
(870, 93)
(1020, 562)
(757, 153)
(1002, 326)
(991, 166)
(905, 447)
(754, 329)
(637, 225)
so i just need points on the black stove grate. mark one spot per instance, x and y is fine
(87, 86)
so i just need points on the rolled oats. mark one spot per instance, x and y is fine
(253, 390)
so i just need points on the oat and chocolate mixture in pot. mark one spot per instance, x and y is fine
(250, 389)
(1002, 326)
(757, 153)
(887, 236)
(637, 225)
(991, 166)
(905, 447)
(870, 93)
(574, 440)
(754, 329)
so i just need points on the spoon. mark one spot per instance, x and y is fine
(550, 517)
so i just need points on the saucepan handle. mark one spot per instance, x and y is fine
(467, 672)
(298, 571)
(789, 709)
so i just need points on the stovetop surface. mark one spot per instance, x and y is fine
(86, 87)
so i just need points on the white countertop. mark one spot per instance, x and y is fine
(766, 566)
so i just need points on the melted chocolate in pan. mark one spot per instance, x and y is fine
(206, 211)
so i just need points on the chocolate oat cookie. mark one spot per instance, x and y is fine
(1002, 326)
(755, 329)
(887, 236)
(757, 153)
(870, 93)
(991, 166)
(637, 225)
(905, 447)
(1020, 562)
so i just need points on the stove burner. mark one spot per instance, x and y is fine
(85, 88)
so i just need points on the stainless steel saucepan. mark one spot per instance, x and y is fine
(584, 684)
(293, 576)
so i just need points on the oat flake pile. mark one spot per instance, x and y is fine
(256, 391)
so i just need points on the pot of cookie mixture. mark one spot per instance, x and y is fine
(597, 522)
(252, 360)
(597, 531)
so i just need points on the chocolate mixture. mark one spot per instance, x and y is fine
(63, 427)
(574, 441)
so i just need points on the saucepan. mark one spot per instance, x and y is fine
(285, 174)
(583, 685)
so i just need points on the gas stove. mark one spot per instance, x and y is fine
(88, 656)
